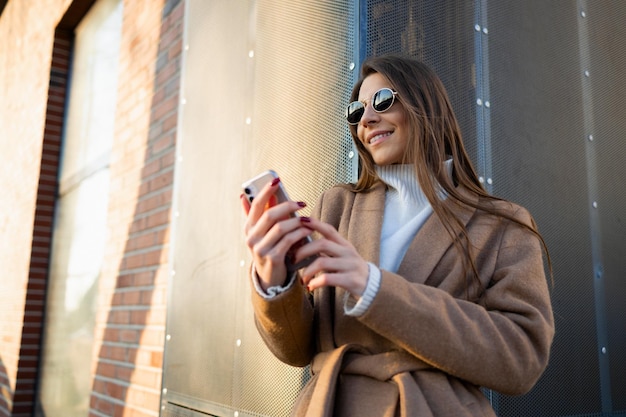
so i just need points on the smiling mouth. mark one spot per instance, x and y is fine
(377, 138)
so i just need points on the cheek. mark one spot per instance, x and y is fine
(359, 134)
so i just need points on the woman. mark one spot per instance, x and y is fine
(426, 287)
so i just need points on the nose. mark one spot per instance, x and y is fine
(369, 116)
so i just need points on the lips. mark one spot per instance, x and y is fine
(377, 136)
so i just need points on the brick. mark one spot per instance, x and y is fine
(131, 297)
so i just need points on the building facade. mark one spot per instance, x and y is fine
(127, 127)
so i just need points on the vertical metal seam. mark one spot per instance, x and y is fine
(486, 93)
(594, 219)
(360, 45)
(483, 114)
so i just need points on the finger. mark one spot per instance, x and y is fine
(325, 229)
(281, 233)
(274, 250)
(272, 216)
(245, 204)
(323, 247)
(325, 264)
(262, 200)
(349, 281)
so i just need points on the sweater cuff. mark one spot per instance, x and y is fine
(355, 308)
(271, 291)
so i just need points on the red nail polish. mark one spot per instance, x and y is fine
(275, 181)
(301, 204)
(305, 219)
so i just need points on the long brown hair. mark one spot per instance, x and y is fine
(434, 137)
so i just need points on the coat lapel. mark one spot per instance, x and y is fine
(366, 222)
(431, 242)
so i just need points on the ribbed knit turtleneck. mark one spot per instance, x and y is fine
(406, 209)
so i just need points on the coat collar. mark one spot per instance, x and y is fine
(426, 248)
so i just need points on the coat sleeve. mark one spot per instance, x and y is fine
(285, 323)
(502, 343)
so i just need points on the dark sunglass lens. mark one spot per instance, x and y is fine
(354, 112)
(382, 100)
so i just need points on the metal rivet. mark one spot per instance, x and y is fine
(236, 414)
(187, 47)
(590, 137)
(168, 337)
(485, 31)
(587, 73)
(595, 204)
(251, 54)
(164, 390)
(583, 14)
(242, 263)
(603, 350)
(352, 66)
(248, 120)
(489, 181)
(479, 102)
(487, 104)
(598, 274)
(481, 180)
(477, 28)
(183, 101)
(351, 154)
(238, 342)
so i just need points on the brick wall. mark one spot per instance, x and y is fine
(30, 346)
(131, 320)
(26, 50)
(131, 311)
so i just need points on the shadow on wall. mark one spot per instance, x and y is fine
(6, 395)
(128, 374)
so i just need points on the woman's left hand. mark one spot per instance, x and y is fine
(338, 263)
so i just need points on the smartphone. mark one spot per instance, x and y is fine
(252, 187)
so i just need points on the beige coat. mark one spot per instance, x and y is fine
(420, 349)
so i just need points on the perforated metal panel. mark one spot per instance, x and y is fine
(265, 85)
(539, 152)
(538, 89)
(557, 139)
(438, 33)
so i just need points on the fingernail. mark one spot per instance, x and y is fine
(305, 219)
(275, 181)
(301, 204)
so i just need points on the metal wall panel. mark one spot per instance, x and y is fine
(265, 84)
(556, 146)
(532, 83)
(539, 160)
(607, 95)
(536, 86)
(441, 34)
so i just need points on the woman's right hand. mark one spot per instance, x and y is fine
(270, 231)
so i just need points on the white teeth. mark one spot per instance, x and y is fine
(379, 137)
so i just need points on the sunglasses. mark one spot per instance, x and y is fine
(381, 101)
